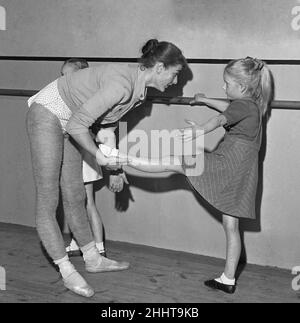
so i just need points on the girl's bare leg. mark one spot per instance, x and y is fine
(233, 245)
(93, 214)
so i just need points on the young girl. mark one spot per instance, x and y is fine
(229, 179)
(92, 172)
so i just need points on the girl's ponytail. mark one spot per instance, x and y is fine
(267, 88)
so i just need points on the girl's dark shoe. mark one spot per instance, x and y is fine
(229, 289)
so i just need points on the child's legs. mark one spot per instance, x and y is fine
(93, 214)
(46, 144)
(73, 193)
(233, 244)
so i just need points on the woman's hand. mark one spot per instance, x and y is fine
(116, 182)
(198, 98)
(124, 177)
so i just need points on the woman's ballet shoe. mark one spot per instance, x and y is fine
(229, 289)
(105, 264)
(84, 290)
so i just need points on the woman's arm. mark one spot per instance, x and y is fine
(107, 136)
(85, 140)
(107, 97)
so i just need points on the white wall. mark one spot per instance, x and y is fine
(203, 28)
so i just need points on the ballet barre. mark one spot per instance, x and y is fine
(276, 104)
(209, 61)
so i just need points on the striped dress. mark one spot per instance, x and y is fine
(230, 176)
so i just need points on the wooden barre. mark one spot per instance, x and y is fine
(203, 60)
(277, 104)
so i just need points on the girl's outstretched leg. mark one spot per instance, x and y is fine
(153, 165)
(226, 282)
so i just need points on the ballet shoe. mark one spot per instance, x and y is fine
(229, 289)
(105, 265)
(85, 290)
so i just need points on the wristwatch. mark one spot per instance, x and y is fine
(116, 172)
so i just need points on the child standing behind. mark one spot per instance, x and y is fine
(92, 172)
(230, 176)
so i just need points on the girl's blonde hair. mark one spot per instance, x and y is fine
(256, 77)
(76, 63)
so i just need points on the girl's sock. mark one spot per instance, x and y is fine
(72, 246)
(224, 280)
(100, 247)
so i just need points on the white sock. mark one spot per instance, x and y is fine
(100, 246)
(224, 280)
(108, 151)
(65, 266)
(91, 254)
(74, 245)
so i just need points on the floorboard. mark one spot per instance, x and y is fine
(155, 276)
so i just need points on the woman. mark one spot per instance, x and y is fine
(58, 121)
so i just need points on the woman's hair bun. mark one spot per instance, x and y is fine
(150, 47)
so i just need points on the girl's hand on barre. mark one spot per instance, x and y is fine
(190, 133)
(198, 98)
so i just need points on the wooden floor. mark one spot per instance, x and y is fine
(156, 276)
